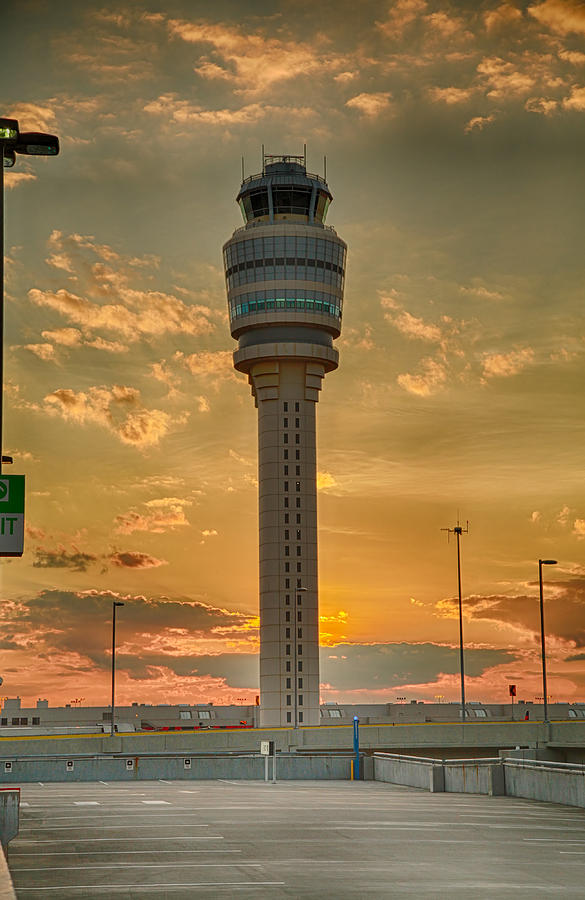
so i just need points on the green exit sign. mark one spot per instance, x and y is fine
(11, 515)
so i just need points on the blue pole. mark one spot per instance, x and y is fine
(356, 747)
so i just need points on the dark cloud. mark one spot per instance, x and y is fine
(78, 561)
(577, 657)
(132, 559)
(564, 610)
(358, 666)
(79, 623)
(63, 559)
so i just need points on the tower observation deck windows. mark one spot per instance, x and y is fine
(291, 200)
(255, 204)
(255, 302)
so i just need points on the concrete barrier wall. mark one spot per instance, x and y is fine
(410, 771)
(551, 782)
(479, 776)
(148, 768)
(430, 738)
(533, 779)
(474, 776)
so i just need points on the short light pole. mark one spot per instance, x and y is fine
(299, 590)
(115, 604)
(541, 563)
(13, 141)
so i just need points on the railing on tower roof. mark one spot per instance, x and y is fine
(265, 175)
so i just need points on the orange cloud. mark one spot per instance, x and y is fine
(561, 16)
(117, 408)
(371, 105)
(503, 365)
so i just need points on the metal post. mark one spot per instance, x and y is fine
(542, 643)
(266, 768)
(458, 531)
(356, 747)
(115, 604)
(274, 764)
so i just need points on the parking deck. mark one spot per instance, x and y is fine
(295, 839)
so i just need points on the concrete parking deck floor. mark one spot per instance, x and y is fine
(294, 839)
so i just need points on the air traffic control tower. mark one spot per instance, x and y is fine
(285, 271)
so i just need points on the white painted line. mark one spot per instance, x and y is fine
(152, 887)
(163, 814)
(390, 826)
(189, 792)
(24, 803)
(214, 837)
(550, 841)
(238, 865)
(41, 783)
(162, 781)
(114, 852)
(151, 825)
(157, 802)
(86, 803)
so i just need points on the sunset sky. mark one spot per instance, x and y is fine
(454, 136)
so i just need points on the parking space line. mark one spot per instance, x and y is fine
(163, 814)
(152, 887)
(113, 852)
(84, 868)
(64, 827)
(214, 837)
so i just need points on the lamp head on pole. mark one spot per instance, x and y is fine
(547, 562)
(117, 603)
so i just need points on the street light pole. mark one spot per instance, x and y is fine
(541, 563)
(13, 141)
(458, 531)
(115, 604)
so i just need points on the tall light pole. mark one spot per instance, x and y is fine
(458, 531)
(115, 604)
(12, 141)
(541, 563)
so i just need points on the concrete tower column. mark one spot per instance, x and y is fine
(285, 273)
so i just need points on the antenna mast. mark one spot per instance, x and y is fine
(458, 530)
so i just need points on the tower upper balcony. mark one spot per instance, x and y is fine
(284, 191)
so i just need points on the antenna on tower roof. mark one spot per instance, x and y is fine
(263, 159)
(243, 176)
(305, 155)
(325, 168)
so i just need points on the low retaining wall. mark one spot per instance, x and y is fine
(151, 767)
(548, 781)
(533, 779)
(412, 771)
